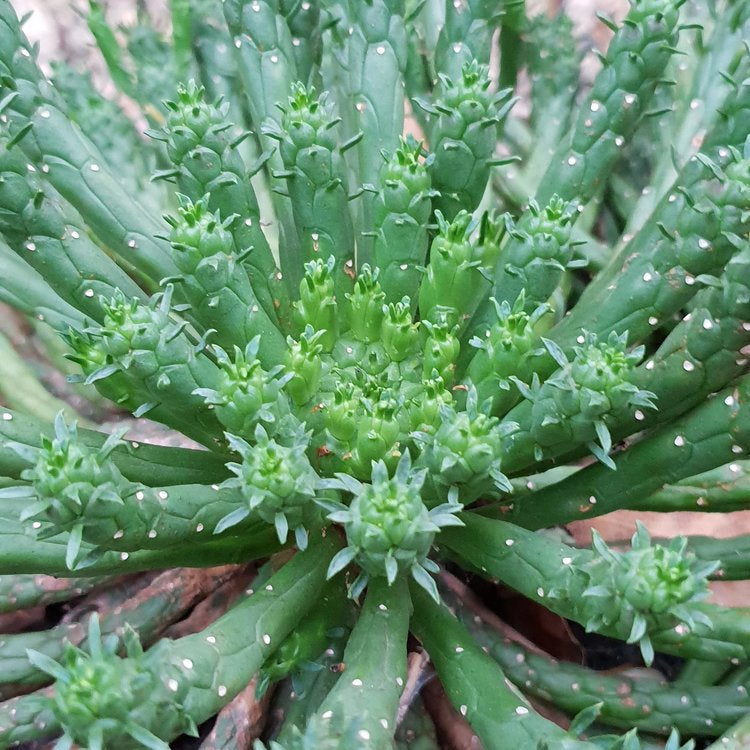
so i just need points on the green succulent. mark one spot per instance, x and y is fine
(507, 348)
(72, 486)
(98, 691)
(367, 369)
(464, 448)
(389, 529)
(277, 482)
(246, 395)
(647, 584)
(574, 404)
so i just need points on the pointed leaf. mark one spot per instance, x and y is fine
(282, 527)
(47, 665)
(64, 743)
(340, 560)
(584, 719)
(425, 580)
(74, 546)
(301, 538)
(391, 569)
(232, 519)
(139, 734)
(555, 352)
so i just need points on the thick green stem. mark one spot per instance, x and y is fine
(476, 685)
(551, 574)
(25, 719)
(648, 703)
(22, 552)
(33, 590)
(720, 490)
(736, 738)
(152, 465)
(711, 435)
(361, 708)
(148, 610)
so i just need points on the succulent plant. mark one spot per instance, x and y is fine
(390, 358)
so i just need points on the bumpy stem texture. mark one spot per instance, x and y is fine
(188, 680)
(476, 685)
(704, 439)
(650, 704)
(551, 574)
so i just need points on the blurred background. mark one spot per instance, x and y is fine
(63, 33)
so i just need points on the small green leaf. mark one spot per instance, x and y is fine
(47, 665)
(74, 546)
(146, 738)
(426, 581)
(584, 719)
(232, 519)
(340, 560)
